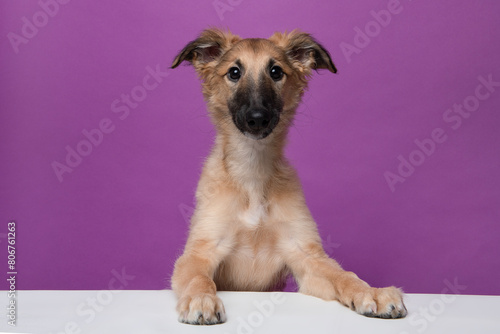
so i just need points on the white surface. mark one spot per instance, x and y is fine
(143, 312)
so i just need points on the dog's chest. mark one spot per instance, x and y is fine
(256, 211)
(251, 169)
(254, 215)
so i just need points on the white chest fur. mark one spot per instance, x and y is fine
(251, 165)
(254, 215)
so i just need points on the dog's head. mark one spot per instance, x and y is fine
(256, 83)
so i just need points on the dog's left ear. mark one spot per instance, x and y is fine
(304, 51)
(208, 47)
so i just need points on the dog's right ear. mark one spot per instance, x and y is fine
(208, 47)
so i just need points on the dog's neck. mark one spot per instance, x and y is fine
(252, 163)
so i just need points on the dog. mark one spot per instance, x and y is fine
(251, 227)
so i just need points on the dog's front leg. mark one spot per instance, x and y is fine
(192, 281)
(320, 276)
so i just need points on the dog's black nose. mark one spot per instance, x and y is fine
(258, 119)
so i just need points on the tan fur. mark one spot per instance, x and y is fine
(251, 227)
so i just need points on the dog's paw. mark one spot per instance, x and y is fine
(201, 309)
(386, 303)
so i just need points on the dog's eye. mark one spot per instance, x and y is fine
(276, 73)
(234, 74)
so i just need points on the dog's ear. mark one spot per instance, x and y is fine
(304, 51)
(208, 47)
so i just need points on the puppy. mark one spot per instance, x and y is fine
(251, 227)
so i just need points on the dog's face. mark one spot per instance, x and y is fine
(254, 84)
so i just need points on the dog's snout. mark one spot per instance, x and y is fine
(258, 119)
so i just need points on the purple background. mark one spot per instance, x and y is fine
(124, 207)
